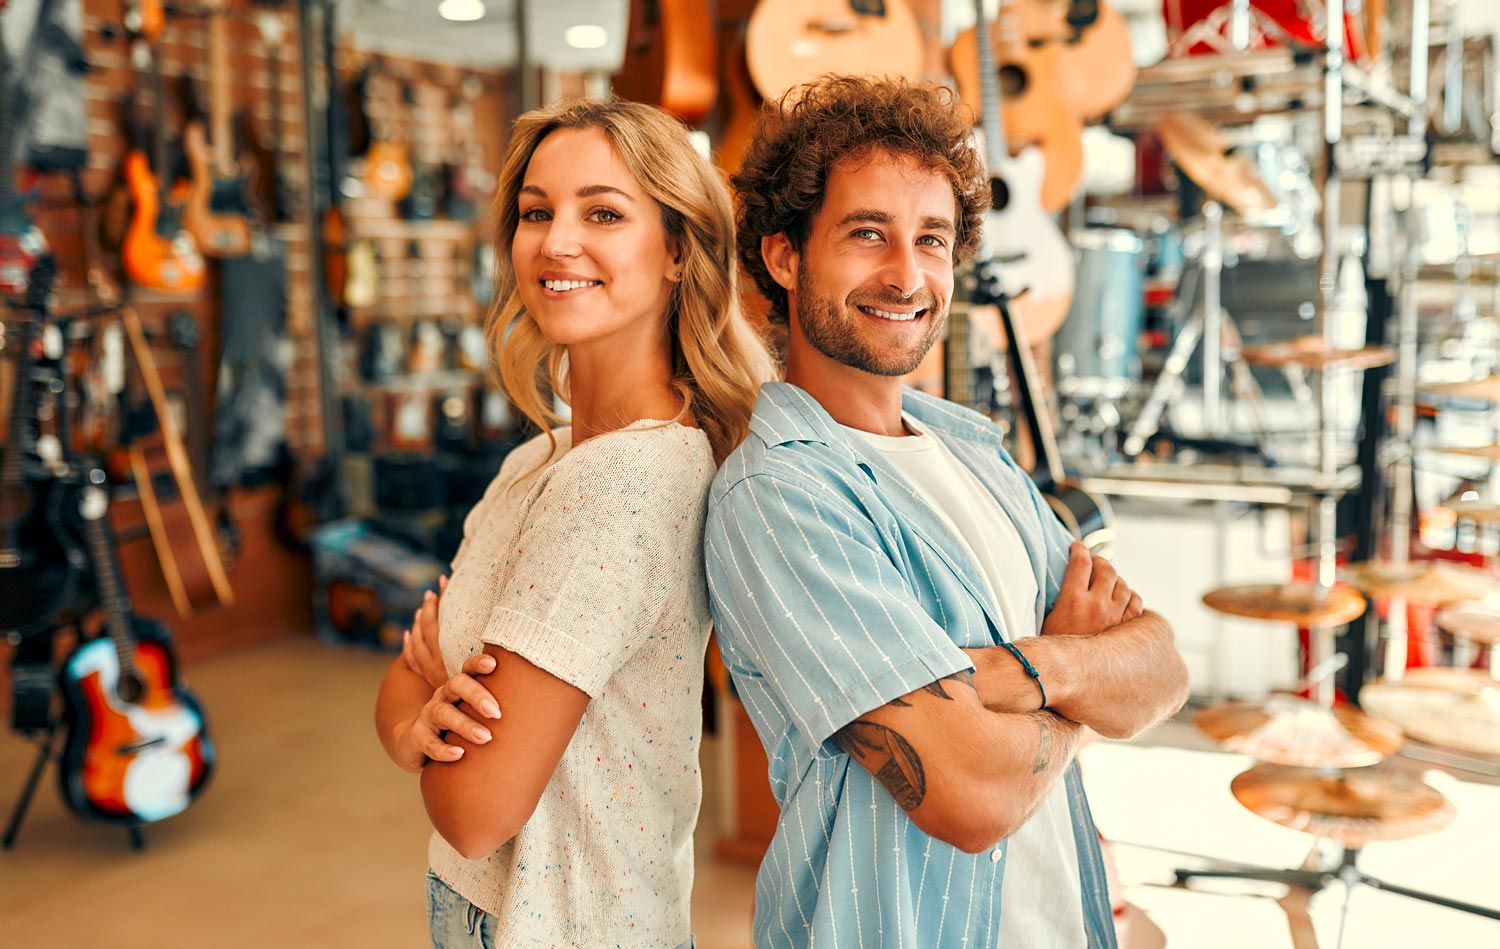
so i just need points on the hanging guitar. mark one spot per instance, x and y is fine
(41, 563)
(217, 213)
(22, 244)
(1013, 189)
(792, 41)
(157, 252)
(138, 748)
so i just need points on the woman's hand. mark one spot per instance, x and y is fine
(421, 740)
(419, 645)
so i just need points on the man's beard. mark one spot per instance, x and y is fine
(828, 328)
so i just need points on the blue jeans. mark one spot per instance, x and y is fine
(455, 923)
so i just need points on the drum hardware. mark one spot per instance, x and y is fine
(1451, 708)
(1423, 581)
(1474, 625)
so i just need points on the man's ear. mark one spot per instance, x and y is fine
(781, 259)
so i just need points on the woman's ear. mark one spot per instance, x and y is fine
(781, 259)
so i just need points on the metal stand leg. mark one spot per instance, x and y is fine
(137, 839)
(44, 752)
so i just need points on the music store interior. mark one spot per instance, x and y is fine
(1252, 354)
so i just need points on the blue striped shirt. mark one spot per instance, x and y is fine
(834, 590)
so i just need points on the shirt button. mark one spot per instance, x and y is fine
(996, 855)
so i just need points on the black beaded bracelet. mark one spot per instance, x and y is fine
(1029, 669)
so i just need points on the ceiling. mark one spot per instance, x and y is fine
(413, 28)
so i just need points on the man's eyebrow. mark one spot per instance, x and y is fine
(587, 191)
(875, 216)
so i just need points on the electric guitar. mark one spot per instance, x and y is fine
(138, 748)
(22, 244)
(217, 214)
(157, 252)
(1034, 260)
(1088, 518)
(40, 561)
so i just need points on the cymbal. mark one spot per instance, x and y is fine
(1203, 154)
(1292, 731)
(1424, 581)
(1454, 708)
(1481, 512)
(1352, 808)
(1488, 452)
(1312, 352)
(1484, 390)
(1300, 603)
(1476, 622)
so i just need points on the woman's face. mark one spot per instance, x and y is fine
(593, 262)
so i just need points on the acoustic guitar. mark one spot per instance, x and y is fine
(137, 747)
(387, 171)
(792, 41)
(217, 214)
(157, 252)
(1088, 518)
(670, 58)
(1098, 68)
(1036, 113)
(1033, 259)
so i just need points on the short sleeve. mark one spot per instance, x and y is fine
(804, 594)
(609, 540)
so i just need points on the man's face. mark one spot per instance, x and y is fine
(872, 286)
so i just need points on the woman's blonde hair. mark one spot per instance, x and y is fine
(718, 361)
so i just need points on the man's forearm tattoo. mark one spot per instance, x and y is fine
(936, 688)
(1046, 725)
(889, 757)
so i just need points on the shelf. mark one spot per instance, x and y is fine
(1231, 89)
(1283, 486)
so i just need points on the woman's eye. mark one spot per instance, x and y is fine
(604, 216)
(534, 215)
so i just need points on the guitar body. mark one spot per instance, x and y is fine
(137, 759)
(388, 172)
(157, 253)
(1034, 259)
(670, 59)
(216, 213)
(792, 41)
(1098, 69)
(42, 560)
(22, 243)
(1035, 110)
(1088, 518)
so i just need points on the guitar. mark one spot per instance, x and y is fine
(217, 214)
(181, 534)
(1098, 69)
(157, 253)
(1088, 518)
(287, 198)
(470, 183)
(138, 748)
(40, 564)
(387, 170)
(792, 41)
(22, 243)
(670, 58)
(1035, 111)
(420, 203)
(1033, 258)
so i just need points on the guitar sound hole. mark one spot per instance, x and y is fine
(1013, 81)
(130, 689)
(999, 194)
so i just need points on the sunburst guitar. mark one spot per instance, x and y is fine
(138, 748)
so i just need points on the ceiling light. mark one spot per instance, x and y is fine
(461, 11)
(586, 36)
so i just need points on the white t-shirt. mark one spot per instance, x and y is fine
(592, 569)
(1040, 904)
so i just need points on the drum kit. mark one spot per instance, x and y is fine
(1317, 762)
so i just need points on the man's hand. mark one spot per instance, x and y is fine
(1092, 597)
(419, 646)
(422, 738)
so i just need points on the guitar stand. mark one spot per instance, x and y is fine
(46, 747)
(1347, 872)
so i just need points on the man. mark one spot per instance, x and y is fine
(874, 556)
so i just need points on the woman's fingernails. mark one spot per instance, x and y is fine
(455, 751)
(491, 709)
(481, 734)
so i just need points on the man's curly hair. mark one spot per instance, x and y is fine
(781, 184)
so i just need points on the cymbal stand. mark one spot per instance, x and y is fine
(1211, 325)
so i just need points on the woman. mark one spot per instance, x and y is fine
(580, 582)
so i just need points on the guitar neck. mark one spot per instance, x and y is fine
(993, 119)
(1028, 391)
(219, 106)
(111, 596)
(21, 436)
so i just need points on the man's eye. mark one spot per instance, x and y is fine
(932, 240)
(867, 234)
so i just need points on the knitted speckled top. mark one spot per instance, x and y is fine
(592, 569)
